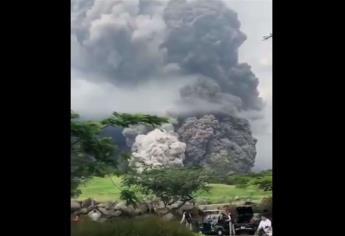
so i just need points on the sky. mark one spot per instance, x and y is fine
(101, 98)
(256, 21)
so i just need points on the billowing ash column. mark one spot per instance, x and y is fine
(158, 148)
(221, 143)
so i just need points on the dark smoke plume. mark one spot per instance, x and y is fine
(187, 46)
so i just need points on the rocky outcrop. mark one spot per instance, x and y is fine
(108, 210)
(75, 206)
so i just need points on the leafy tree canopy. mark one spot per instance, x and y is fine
(93, 155)
(125, 120)
(170, 185)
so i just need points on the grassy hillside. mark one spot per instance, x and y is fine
(102, 189)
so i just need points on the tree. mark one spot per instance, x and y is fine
(93, 155)
(125, 120)
(170, 185)
(129, 196)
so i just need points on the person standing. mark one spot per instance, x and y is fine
(265, 227)
(187, 218)
(231, 225)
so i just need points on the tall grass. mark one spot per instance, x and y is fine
(151, 226)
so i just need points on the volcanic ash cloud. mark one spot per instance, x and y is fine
(187, 47)
(158, 148)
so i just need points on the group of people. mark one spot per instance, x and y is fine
(264, 228)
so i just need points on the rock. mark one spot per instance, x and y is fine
(168, 216)
(161, 211)
(94, 215)
(106, 205)
(137, 212)
(101, 205)
(104, 211)
(119, 206)
(116, 213)
(128, 210)
(142, 208)
(83, 211)
(86, 203)
(75, 205)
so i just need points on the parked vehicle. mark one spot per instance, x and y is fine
(215, 222)
(246, 221)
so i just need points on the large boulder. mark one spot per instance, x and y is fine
(83, 211)
(75, 206)
(88, 202)
(142, 208)
(124, 208)
(95, 215)
(106, 205)
(104, 211)
(168, 216)
(162, 211)
(115, 213)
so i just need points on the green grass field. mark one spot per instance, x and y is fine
(102, 189)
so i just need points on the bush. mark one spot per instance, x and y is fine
(151, 226)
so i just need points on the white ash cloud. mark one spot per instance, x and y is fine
(158, 148)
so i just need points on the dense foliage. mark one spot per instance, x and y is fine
(93, 155)
(129, 196)
(125, 120)
(170, 185)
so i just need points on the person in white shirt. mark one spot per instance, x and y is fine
(265, 227)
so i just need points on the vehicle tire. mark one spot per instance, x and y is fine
(220, 232)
